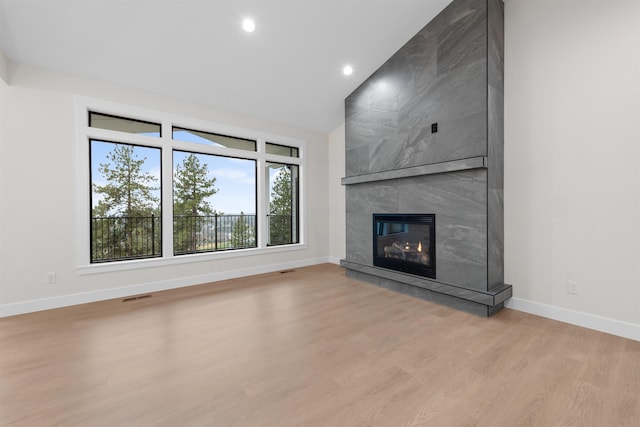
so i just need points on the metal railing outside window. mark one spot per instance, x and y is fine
(281, 230)
(121, 237)
(207, 233)
(124, 238)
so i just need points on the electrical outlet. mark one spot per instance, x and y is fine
(573, 287)
(51, 278)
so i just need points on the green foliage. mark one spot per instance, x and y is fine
(191, 190)
(243, 234)
(126, 222)
(192, 187)
(281, 208)
(128, 191)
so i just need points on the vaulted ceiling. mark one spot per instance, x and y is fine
(288, 70)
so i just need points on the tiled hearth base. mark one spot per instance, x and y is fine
(472, 301)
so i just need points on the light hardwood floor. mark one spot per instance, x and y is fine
(308, 348)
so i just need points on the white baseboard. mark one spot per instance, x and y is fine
(144, 288)
(578, 318)
(598, 323)
(334, 260)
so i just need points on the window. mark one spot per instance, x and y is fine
(283, 203)
(213, 139)
(122, 124)
(281, 150)
(161, 188)
(214, 203)
(125, 202)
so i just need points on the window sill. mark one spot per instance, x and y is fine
(115, 266)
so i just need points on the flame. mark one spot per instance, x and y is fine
(419, 246)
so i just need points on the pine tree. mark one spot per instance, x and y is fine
(242, 235)
(280, 217)
(128, 191)
(130, 205)
(191, 190)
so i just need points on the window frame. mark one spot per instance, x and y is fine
(296, 211)
(90, 141)
(84, 134)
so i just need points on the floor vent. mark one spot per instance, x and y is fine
(286, 271)
(136, 298)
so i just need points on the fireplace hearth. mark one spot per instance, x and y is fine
(405, 242)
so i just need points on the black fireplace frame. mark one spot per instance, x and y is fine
(402, 266)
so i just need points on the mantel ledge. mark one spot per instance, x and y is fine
(430, 169)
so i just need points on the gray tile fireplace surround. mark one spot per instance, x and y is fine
(450, 73)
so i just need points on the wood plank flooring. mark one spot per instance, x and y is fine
(308, 348)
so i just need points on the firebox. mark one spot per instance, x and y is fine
(405, 242)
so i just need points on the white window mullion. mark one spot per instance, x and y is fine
(302, 205)
(167, 192)
(262, 187)
(302, 193)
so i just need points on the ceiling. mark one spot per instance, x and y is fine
(287, 71)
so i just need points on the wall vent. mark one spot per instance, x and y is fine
(137, 297)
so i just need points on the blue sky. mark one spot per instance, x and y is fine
(235, 178)
(235, 181)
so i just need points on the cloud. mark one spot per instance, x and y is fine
(154, 172)
(273, 175)
(235, 175)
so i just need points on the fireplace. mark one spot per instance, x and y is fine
(449, 76)
(405, 242)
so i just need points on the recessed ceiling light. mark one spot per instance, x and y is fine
(248, 25)
(347, 70)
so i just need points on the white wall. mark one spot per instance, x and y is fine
(4, 68)
(38, 190)
(3, 95)
(337, 213)
(572, 158)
